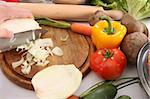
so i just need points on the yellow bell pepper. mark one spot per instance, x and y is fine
(107, 34)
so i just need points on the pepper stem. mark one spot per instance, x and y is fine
(109, 30)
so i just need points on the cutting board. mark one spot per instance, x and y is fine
(77, 50)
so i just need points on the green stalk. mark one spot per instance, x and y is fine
(53, 23)
(109, 30)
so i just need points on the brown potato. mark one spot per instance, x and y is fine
(95, 18)
(146, 32)
(112, 14)
(132, 24)
(132, 44)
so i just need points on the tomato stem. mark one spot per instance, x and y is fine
(108, 54)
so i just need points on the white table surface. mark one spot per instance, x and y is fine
(8, 90)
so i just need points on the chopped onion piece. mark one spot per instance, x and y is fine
(42, 63)
(25, 63)
(21, 47)
(29, 57)
(18, 63)
(31, 63)
(44, 42)
(33, 35)
(64, 38)
(38, 53)
(28, 41)
(26, 69)
(50, 51)
(57, 51)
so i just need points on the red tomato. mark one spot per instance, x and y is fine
(73, 97)
(11, 0)
(108, 63)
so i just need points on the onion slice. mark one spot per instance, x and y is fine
(18, 63)
(57, 81)
(57, 51)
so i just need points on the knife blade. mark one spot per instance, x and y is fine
(20, 39)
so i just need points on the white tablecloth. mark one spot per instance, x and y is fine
(8, 90)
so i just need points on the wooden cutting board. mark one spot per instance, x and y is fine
(77, 50)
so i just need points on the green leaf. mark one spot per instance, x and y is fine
(135, 5)
(144, 12)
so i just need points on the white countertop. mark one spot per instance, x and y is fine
(8, 90)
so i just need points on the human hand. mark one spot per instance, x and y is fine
(8, 12)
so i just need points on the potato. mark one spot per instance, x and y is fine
(146, 32)
(112, 14)
(95, 18)
(132, 44)
(132, 24)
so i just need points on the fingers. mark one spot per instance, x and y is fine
(4, 33)
(20, 13)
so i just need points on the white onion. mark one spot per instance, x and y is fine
(57, 82)
(26, 69)
(57, 51)
(20, 25)
(38, 53)
(44, 42)
(18, 63)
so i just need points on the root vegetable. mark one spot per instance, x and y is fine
(95, 18)
(146, 32)
(132, 44)
(113, 14)
(81, 28)
(132, 24)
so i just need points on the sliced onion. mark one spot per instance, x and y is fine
(57, 51)
(44, 42)
(26, 69)
(18, 63)
(29, 57)
(64, 38)
(57, 82)
(33, 35)
(49, 51)
(43, 63)
(38, 53)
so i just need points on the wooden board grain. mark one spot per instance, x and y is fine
(77, 50)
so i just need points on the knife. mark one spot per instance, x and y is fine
(20, 39)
